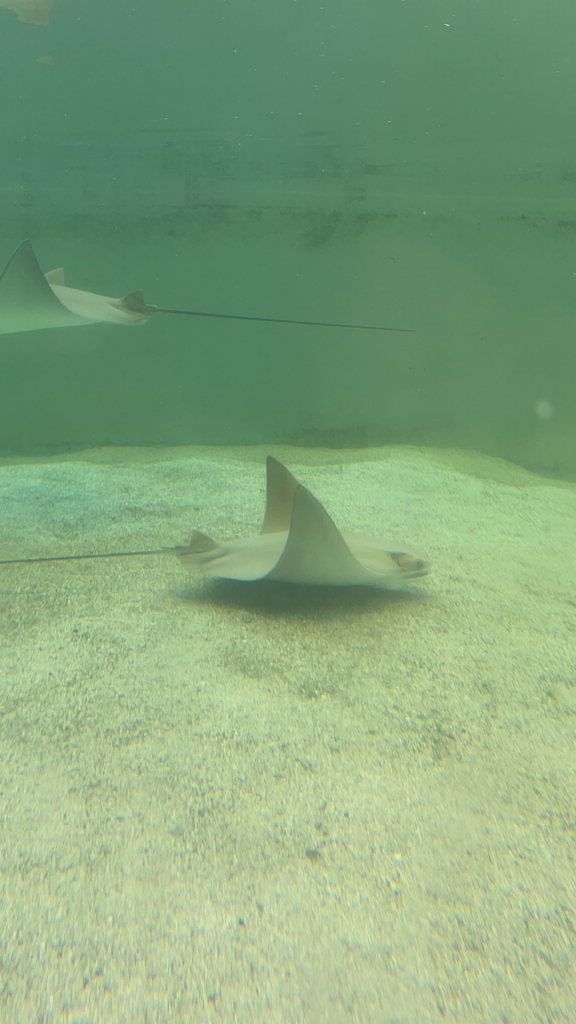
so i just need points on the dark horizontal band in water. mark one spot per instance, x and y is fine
(79, 558)
(275, 320)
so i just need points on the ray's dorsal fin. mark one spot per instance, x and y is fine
(315, 551)
(198, 543)
(56, 277)
(136, 303)
(280, 491)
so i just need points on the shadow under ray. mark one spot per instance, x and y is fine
(274, 599)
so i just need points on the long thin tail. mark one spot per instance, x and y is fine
(135, 301)
(276, 320)
(80, 558)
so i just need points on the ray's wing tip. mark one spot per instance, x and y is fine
(25, 246)
(280, 490)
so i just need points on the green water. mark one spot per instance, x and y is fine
(408, 166)
(257, 803)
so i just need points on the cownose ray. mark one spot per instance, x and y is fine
(298, 543)
(35, 12)
(31, 300)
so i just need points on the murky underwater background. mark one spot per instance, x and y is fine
(291, 804)
(409, 166)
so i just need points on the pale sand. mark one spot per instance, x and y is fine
(256, 803)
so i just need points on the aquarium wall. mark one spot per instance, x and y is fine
(401, 164)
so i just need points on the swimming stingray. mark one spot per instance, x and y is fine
(298, 543)
(36, 12)
(31, 301)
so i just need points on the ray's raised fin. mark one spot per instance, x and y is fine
(280, 490)
(316, 552)
(27, 300)
(33, 301)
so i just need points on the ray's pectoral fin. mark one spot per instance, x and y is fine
(27, 301)
(315, 551)
(281, 489)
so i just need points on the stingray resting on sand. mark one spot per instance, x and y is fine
(33, 301)
(35, 12)
(298, 543)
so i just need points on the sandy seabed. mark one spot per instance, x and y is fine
(245, 803)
